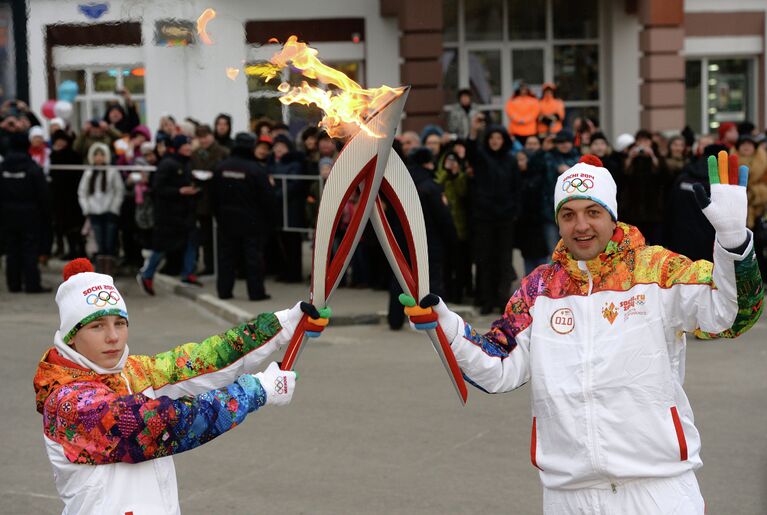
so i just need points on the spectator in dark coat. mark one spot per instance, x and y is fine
(223, 130)
(286, 161)
(600, 147)
(439, 228)
(24, 217)
(642, 195)
(436, 214)
(529, 234)
(175, 194)
(496, 206)
(206, 158)
(122, 119)
(67, 217)
(688, 230)
(243, 202)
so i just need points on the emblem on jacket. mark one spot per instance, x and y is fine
(610, 312)
(563, 321)
(633, 306)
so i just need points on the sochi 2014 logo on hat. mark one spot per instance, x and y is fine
(563, 321)
(580, 183)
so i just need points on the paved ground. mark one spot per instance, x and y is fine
(374, 427)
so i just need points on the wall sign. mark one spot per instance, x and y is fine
(174, 32)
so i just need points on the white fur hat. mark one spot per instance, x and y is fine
(588, 179)
(623, 142)
(35, 132)
(85, 296)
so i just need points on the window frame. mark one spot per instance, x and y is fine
(84, 101)
(752, 80)
(506, 47)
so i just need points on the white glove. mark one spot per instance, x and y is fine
(727, 209)
(278, 384)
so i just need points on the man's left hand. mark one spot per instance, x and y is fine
(727, 208)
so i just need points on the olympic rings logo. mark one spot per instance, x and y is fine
(577, 184)
(281, 385)
(102, 298)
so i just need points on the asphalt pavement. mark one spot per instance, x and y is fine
(375, 426)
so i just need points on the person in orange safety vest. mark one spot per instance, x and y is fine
(552, 111)
(523, 110)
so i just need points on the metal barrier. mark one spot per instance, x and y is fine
(283, 180)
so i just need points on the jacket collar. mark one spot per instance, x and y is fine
(626, 240)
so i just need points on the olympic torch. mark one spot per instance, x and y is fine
(360, 165)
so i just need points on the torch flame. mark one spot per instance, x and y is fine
(345, 108)
(202, 25)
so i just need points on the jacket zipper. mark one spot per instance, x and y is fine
(127, 384)
(589, 377)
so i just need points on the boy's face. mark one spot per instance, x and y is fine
(99, 158)
(103, 340)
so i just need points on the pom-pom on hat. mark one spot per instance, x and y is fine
(85, 296)
(588, 179)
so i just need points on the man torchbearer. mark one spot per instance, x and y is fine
(600, 335)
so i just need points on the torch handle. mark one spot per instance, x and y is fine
(294, 347)
(442, 346)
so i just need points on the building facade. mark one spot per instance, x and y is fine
(658, 64)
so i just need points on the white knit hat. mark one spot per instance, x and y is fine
(623, 142)
(35, 132)
(85, 296)
(588, 179)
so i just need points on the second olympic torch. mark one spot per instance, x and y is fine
(360, 165)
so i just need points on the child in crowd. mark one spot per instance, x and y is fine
(101, 193)
(112, 421)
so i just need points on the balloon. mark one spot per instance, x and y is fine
(48, 109)
(63, 109)
(68, 90)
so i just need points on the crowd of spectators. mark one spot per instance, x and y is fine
(486, 189)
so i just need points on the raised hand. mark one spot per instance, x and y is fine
(727, 208)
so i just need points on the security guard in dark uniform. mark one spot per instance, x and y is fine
(24, 217)
(243, 204)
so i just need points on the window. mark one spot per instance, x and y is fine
(97, 87)
(526, 22)
(491, 45)
(717, 91)
(483, 19)
(485, 75)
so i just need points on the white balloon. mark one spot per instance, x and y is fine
(63, 109)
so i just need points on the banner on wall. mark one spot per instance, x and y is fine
(174, 32)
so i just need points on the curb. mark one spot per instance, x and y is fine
(236, 315)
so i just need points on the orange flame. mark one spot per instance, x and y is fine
(344, 108)
(202, 24)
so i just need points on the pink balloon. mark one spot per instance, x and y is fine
(49, 109)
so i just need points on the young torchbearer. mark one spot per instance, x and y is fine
(599, 333)
(112, 421)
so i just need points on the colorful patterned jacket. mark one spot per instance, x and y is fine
(602, 344)
(110, 438)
